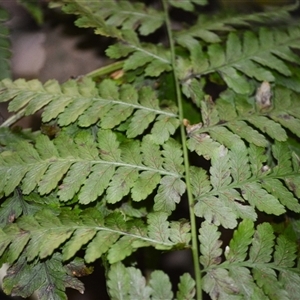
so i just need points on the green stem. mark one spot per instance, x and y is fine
(14, 118)
(195, 250)
(106, 69)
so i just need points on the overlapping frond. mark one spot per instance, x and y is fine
(89, 169)
(269, 115)
(51, 278)
(242, 179)
(253, 56)
(208, 27)
(124, 21)
(112, 18)
(42, 234)
(269, 262)
(87, 103)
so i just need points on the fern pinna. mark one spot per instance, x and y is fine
(117, 157)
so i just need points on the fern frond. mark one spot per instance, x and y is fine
(88, 169)
(208, 27)
(44, 233)
(267, 281)
(234, 118)
(221, 200)
(124, 20)
(4, 46)
(107, 105)
(254, 56)
(52, 280)
(112, 18)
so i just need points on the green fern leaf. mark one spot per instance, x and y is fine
(138, 288)
(73, 161)
(160, 285)
(169, 193)
(261, 199)
(290, 281)
(251, 57)
(266, 282)
(11, 209)
(79, 238)
(83, 102)
(262, 245)
(240, 242)
(159, 227)
(241, 275)
(44, 233)
(118, 282)
(186, 287)
(266, 279)
(37, 246)
(51, 283)
(110, 19)
(207, 27)
(219, 285)
(219, 201)
(187, 5)
(278, 190)
(210, 245)
(285, 252)
(100, 244)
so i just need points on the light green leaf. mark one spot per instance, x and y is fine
(144, 185)
(262, 244)
(220, 168)
(273, 129)
(118, 282)
(138, 288)
(158, 227)
(285, 252)
(239, 166)
(214, 210)
(219, 285)
(75, 177)
(96, 183)
(210, 244)
(100, 244)
(80, 237)
(120, 249)
(235, 81)
(248, 133)
(290, 281)
(256, 196)
(242, 238)
(160, 285)
(199, 181)
(168, 194)
(121, 183)
(278, 190)
(186, 287)
(266, 279)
